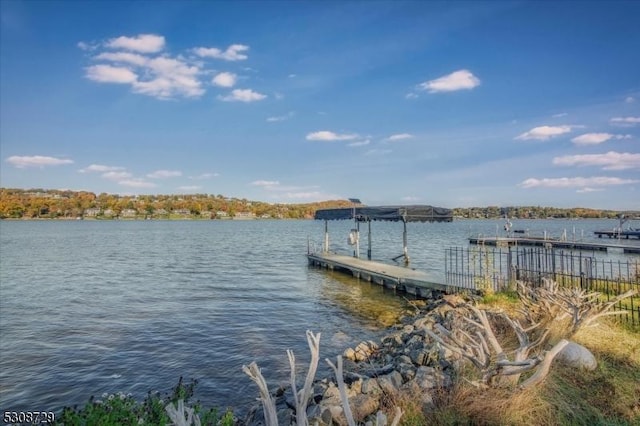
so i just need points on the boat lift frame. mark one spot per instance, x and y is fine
(359, 214)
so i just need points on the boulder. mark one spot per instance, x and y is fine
(577, 356)
(407, 371)
(319, 415)
(390, 383)
(370, 386)
(430, 378)
(363, 405)
(364, 350)
(349, 353)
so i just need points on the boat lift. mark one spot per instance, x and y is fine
(360, 214)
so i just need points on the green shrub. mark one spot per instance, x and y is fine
(120, 409)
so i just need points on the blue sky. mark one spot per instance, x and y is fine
(454, 104)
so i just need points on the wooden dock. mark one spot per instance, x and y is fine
(541, 242)
(393, 277)
(618, 234)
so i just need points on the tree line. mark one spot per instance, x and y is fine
(59, 204)
(56, 204)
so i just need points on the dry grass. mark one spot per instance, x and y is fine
(610, 395)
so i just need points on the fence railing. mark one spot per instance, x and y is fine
(496, 269)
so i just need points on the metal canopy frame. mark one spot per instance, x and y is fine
(413, 213)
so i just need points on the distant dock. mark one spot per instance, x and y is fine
(618, 234)
(542, 242)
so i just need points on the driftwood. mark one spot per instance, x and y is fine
(302, 397)
(476, 340)
(480, 345)
(551, 302)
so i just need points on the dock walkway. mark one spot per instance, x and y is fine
(390, 276)
(541, 242)
(618, 234)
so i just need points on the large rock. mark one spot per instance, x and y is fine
(363, 405)
(430, 378)
(349, 353)
(370, 386)
(390, 383)
(319, 415)
(364, 350)
(577, 356)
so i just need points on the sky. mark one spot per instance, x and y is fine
(453, 104)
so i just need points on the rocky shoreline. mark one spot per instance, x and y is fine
(406, 363)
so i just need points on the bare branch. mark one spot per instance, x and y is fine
(544, 366)
(268, 404)
(343, 390)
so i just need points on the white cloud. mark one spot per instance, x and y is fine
(145, 43)
(163, 174)
(123, 57)
(204, 176)
(22, 162)
(280, 118)
(265, 183)
(99, 168)
(87, 46)
(190, 188)
(596, 138)
(576, 182)
(399, 137)
(243, 95)
(630, 99)
(116, 176)
(113, 173)
(233, 52)
(589, 189)
(544, 132)
(225, 79)
(137, 183)
(325, 135)
(162, 77)
(172, 77)
(609, 161)
(457, 80)
(410, 95)
(312, 195)
(360, 143)
(561, 114)
(625, 121)
(110, 74)
(410, 199)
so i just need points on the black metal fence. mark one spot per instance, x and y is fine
(497, 269)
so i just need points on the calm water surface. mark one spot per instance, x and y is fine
(88, 307)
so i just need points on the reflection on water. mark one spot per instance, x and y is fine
(372, 302)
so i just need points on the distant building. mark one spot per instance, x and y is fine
(93, 212)
(244, 215)
(128, 213)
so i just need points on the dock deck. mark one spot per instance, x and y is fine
(399, 278)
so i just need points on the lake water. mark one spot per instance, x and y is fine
(89, 307)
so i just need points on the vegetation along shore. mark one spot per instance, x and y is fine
(59, 204)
